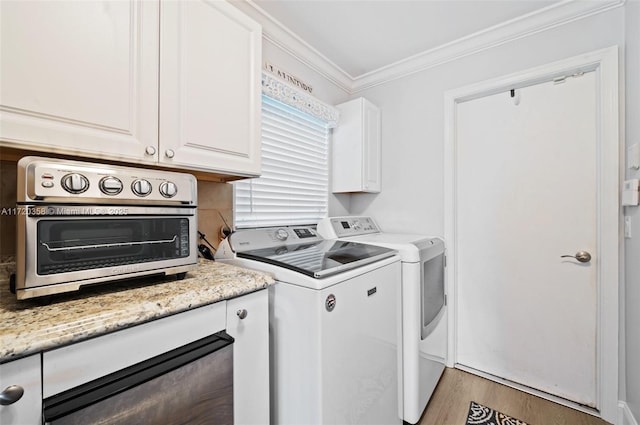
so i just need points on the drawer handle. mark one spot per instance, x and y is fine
(11, 394)
(170, 153)
(242, 313)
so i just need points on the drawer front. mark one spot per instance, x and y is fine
(76, 364)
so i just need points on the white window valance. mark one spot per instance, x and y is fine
(292, 96)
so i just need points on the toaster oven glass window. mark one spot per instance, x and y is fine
(84, 244)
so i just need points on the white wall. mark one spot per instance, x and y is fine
(413, 118)
(632, 246)
(323, 89)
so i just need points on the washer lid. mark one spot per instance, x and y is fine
(412, 248)
(320, 258)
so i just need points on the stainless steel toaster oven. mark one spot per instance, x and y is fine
(81, 223)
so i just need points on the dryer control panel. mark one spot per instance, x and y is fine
(340, 227)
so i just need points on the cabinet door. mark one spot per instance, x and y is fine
(80, 77)
(371, 148)
(356, 148)
(26, 374)
(210, 56)
(248, 323)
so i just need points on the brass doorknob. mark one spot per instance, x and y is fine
(582, 256)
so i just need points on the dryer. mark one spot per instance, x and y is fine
(424, 324)
(334, 323)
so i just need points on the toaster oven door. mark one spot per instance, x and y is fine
(86, 249)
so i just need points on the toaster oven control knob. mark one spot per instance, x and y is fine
(168, 189)
(75, 183)
(110, 185)
(141, 187)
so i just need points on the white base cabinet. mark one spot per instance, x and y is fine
(169, 83)
(248, 323)
(356, 148)
(24, 373)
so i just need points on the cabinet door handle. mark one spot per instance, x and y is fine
(169, 153)
(150, 150)
(242, 313)
(11, 394)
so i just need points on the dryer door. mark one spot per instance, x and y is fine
(431, 293)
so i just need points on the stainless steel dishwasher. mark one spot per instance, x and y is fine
(192, 384)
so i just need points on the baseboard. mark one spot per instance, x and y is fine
(625, 417)
(535, 392)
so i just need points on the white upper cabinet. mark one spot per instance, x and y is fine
(79, 76)
(210, 55)
(173, 83)
(356, 148)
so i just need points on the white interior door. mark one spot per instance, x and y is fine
(526, 195)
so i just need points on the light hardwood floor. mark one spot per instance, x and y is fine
(450, 403)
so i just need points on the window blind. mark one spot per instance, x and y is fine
(293, 187)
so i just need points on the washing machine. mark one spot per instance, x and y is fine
(334, 323)
(424, 324)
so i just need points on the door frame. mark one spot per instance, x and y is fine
(608, 229)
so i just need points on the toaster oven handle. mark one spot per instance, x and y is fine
(108, 245)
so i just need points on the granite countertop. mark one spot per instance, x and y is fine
(35, 325)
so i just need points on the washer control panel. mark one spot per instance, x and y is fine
(269, 237)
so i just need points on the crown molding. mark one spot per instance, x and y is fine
(285, 39)
(552, 16)
(544, 19)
